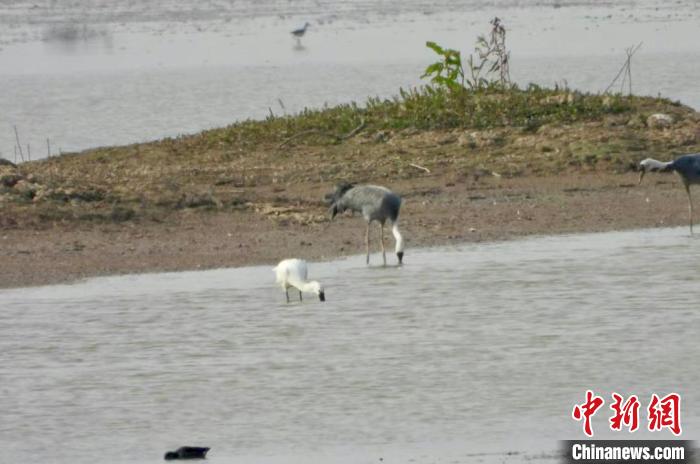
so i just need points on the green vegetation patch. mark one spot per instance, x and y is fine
(431, 108)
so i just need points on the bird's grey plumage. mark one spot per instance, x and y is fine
(301, 31)
(375, 203)
(686, 166)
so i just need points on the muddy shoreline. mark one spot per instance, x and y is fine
(436, 212)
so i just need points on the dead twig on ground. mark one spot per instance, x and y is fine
(338, 138)
(418, 166)
(353, 132)
(302, 134)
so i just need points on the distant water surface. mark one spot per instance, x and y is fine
(85, 74)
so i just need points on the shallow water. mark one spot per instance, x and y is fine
(463, 354)
(146, 70)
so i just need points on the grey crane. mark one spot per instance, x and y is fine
(686, 166)
(376, 203)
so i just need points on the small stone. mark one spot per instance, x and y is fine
(659, 121)
(381, 136)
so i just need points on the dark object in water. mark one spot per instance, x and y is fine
(187, 452)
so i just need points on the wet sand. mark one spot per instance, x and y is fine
(436, 211)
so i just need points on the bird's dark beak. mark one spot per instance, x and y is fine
(400, 256)
(641, 176)
(322, 296)
(334, 211)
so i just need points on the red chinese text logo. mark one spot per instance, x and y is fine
(586, 410)
(663, 413)
(625, 414)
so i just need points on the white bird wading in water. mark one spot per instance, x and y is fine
(686, 166)
(294, 273)
(376, 204)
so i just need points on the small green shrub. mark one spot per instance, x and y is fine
(488, 66)
(449, 71)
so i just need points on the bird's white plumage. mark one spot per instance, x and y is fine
(291, 270)
(294, 273)
(650, 164)
(398, 237)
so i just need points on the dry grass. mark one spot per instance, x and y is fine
(248, 165)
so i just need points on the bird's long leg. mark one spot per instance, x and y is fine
(367, 242)
(300, 296)
(690, 207)
(381, 239)
(286, 292)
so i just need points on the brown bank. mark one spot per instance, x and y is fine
(252, 193)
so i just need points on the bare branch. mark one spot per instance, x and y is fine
(19, 145)
(338, 138)
(625, 70)
(417, 166)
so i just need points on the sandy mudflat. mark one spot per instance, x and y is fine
(436, 211)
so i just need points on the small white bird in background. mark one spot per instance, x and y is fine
(294, 273)
(299, 33)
